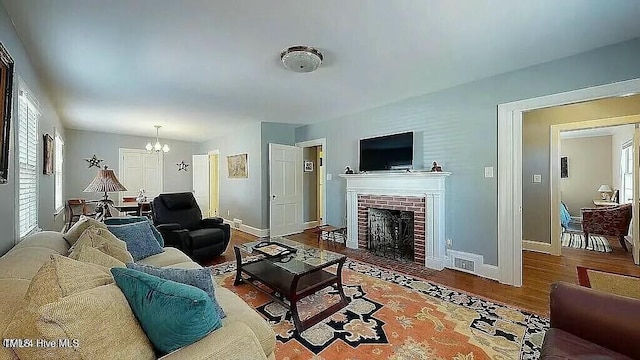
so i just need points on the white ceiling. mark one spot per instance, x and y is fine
(200, 68)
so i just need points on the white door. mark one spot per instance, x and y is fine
(635, 223)
(140, 169)
(285, 185)
(200, 165)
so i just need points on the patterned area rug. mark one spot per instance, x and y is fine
(577, 241)
(396, 316)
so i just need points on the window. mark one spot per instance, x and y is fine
(28, 115)
(57, 172)
(626, 163)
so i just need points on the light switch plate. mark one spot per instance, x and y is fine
(537, 178)
(488, 171)
(329, 177)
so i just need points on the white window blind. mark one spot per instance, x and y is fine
(58, 159)
(28, 115)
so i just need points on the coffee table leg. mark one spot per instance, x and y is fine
(293, 301)
(339, 284)
(238, 280)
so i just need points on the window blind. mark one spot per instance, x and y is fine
(28, 116)
(58, 159)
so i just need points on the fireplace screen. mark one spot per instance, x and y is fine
(391, 233)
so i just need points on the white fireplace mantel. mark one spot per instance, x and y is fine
(430, 185)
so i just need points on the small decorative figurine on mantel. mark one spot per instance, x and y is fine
(347, 170)
(436, 167)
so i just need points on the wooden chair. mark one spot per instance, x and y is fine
(74, 209)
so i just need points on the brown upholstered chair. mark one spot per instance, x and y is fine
(75, 208)
(607, 221)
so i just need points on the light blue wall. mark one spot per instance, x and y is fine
(81, 144)
(459, 129)
(48, 122)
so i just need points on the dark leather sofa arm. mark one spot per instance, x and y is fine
(168, 227)
(605, 319)
(210, 221)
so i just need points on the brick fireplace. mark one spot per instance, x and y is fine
(423, 193)
(400, 203)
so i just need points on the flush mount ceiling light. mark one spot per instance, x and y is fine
(157, 147)
(301, 59)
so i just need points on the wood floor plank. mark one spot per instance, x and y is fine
(539, 271)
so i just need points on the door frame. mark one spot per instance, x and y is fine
(144, 152)
(209, 153)
(318, 142)
(510, 168)
(554, 171)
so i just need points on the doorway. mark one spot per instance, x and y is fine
(314, 195)
(206, 183)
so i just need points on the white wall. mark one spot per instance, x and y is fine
(589, 165)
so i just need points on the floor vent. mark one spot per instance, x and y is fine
(464, 264)
(237, 223)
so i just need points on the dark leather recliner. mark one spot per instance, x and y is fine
(178, 218)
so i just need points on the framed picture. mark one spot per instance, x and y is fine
(6, 86)
(47, 154)
(564, 167)
(308, 166)
(237, 166)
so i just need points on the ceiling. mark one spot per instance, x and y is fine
(595, 132)
(201, 68)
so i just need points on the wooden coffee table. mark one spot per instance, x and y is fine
(291, 277)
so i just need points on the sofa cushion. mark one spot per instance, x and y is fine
(200, 278)
(205, 237)
(25, 262)
(133, 219)
(47, 239)
(104, 241)
(12, 291)
(106, 329)
(139, 238)
(92, 255)
(172, 315)
(79, 227)
(559, 344)
(170, 256)
(238, 311)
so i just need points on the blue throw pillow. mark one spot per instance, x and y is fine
(200, 278)
(133, 219)
(140, 240)
(172, 315)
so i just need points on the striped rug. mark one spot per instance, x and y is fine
(577, 241)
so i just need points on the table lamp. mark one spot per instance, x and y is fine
(105, 181)
(605, 192)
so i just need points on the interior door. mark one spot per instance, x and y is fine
(285, 185)
(635, 222)
(214, 185)
(140, 169)
(200, 164)
(152, 178)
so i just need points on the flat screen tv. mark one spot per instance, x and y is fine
(390, 152)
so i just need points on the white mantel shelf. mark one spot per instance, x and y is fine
(430, 185)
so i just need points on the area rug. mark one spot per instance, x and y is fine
(619, 284)
(395, 316)
(577, 241)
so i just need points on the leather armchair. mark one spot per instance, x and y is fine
(178, 218)
(590, 324)
(608, 221)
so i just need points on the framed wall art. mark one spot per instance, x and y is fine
(237, 167)
(308, 166)
(6, 86)
(564, 167)
(47, 154)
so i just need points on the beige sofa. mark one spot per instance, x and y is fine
(244, 335)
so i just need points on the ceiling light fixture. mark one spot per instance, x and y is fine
(157, 147)
(301, 59)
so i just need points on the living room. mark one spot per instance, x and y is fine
(214, 80)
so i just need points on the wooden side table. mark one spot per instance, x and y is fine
(331, 232)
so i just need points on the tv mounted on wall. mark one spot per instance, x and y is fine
(389, 152)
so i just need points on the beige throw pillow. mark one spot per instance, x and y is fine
(110, 245)
(106, 329)
(92, 255)
(79, 227)
(56, 279)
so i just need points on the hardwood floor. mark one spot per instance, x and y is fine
(540, 270)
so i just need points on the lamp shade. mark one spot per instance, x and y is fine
(604, 188)
(105, 181)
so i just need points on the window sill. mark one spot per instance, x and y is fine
(58, 212)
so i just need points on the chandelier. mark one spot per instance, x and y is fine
(157, 147)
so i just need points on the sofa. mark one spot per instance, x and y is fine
(590, 324)
(244, 334)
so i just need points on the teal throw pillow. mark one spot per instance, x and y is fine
(133, 219)
(200, 278)
(139, 238)
(173, 315)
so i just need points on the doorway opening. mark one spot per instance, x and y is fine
(206, 183)
(314, 188)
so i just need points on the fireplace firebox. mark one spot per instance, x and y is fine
(391, 234)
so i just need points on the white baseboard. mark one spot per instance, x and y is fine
(310, 224)
(536, 246)
(248, 229)
(481, 269)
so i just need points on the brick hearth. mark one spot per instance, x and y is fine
(402, 203)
